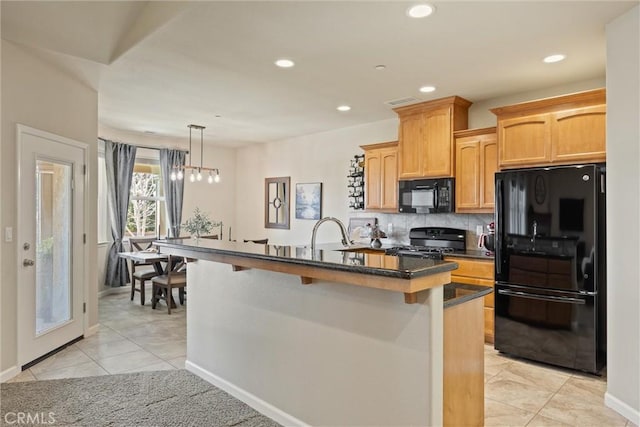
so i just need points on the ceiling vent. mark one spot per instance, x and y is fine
(402, 101)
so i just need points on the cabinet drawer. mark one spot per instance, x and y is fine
(472, 268)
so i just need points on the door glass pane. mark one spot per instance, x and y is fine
(53, 244)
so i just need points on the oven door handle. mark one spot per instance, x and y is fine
(436, 197)
(567, 300)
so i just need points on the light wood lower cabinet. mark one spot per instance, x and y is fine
(476, 165)
(463, 365)
(478, 272)
(381, 176)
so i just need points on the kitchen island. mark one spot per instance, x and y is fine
(319, 337)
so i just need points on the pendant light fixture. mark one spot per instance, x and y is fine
(195, 172)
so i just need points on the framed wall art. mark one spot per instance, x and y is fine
(309, 200)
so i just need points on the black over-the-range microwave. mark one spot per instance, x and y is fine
(426, 196)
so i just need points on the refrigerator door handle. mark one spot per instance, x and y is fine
(566, 300)
(498, 225)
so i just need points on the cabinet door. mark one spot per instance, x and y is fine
(410, 147)
(372, 178)
(467, 174)
(525, 141)
(437, 155)
(488, 169)
(579, 135)
(389, 179)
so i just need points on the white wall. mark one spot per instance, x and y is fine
(322, 157)
(623, 214)
(217, 199)
(481, 117)
(37, 94)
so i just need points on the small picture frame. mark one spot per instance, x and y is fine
(309, 200)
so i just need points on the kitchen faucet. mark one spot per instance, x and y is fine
(343, 230)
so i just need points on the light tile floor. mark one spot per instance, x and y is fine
(135, 338)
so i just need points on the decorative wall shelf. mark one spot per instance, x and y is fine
(355, 184)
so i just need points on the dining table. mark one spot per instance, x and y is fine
(149, 257)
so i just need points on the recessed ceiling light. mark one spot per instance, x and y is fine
(420, 10)
(554, 58)
(285, 63)
(380, 67)
(343, 108)
(427, 89)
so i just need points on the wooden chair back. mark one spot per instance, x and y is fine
(141, 243)
(259, 241)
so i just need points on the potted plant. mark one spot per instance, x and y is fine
(199, 224)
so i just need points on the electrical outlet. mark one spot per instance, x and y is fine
(8, 234)
(479, 230)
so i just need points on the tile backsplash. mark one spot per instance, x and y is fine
(402, 223)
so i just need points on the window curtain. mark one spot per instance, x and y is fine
(173, 190)
(119, 160)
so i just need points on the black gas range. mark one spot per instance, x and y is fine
(432, 243)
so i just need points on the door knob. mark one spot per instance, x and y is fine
(27, 262)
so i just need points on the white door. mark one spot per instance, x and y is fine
(50, 242)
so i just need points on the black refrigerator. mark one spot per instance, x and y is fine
(550, 265)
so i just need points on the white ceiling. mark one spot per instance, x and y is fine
(159, 66)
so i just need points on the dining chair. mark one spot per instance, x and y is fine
(144, 274)
(259, 241)
(176, 277)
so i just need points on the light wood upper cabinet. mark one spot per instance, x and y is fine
(579, 134)
(562, 130)
(476, 165)
(411, 152)
(426, 148)
(525, 140)
(381, 176)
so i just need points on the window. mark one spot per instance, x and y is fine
(145, 216)
(146, 213)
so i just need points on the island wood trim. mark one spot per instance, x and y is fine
(396, 284)
(238, 268)
(306, 280)
(463, 356)
(410, 298)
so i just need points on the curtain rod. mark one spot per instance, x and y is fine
(147, 147)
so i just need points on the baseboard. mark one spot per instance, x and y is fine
(110, 291)
(7, 374)
(622, 408)
(255, 402)
(91, 330)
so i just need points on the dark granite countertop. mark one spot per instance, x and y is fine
(469, 253)
(330, 256)
(457, 293)
(474, 253)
